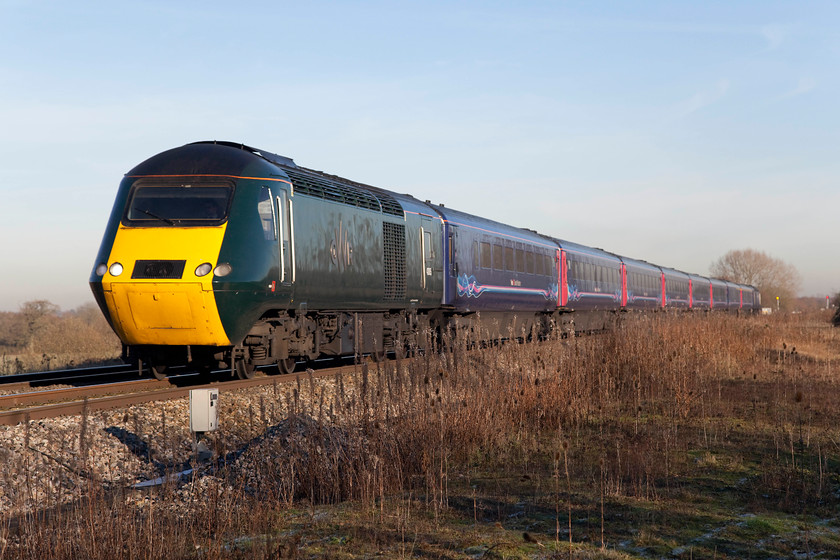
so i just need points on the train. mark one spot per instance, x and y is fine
(218, 255)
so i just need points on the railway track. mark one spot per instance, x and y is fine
(35, 405)
(77, 376)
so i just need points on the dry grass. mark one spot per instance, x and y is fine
(653, 439)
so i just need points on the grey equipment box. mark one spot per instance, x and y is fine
(204, 410)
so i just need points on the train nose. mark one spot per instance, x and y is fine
(177, 313)
(162, 291)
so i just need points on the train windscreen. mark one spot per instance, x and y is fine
(186, 205)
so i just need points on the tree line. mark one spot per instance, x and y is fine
(777, 280)
(41, 327)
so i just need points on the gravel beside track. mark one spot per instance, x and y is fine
(54, 461)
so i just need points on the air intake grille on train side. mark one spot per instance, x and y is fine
(158, 269)
(394, 241)
(344, 193)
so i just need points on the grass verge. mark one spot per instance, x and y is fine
(691, 436)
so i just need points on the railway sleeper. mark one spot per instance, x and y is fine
(288, 337)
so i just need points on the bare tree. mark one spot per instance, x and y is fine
(35, 316)
(773, 277)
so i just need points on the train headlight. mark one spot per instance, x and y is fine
(101, 269)
(223, 269)
(116, 269)
(203, 269)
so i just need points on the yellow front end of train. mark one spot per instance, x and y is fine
(154, 277)
(147, 309)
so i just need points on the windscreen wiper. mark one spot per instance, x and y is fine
(155, 216)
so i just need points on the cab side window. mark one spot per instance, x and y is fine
(265, 208)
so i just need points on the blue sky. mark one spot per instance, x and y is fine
(668, 131)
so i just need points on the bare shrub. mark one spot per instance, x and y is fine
(41, 337)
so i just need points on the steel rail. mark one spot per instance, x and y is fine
(79, 377)
(13, 417)
(52, 395)
(40, 376)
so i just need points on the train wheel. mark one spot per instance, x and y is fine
(244, 370)
(158, 371)
(286, 366)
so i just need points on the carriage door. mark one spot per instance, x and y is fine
(451, 264)
(431, 258)
(286, 238)
(562, 278)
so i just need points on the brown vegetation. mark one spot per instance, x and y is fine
(691, 436)
(41, 337)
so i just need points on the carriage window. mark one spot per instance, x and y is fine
(486, 256)
(498, 257)
(265, 207)
(538, 261)
(520, 260)
(529, 262)
(509, 259)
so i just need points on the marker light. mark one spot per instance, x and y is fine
(203, 269)
(116, 269)
(222, 270)
(101, 269)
